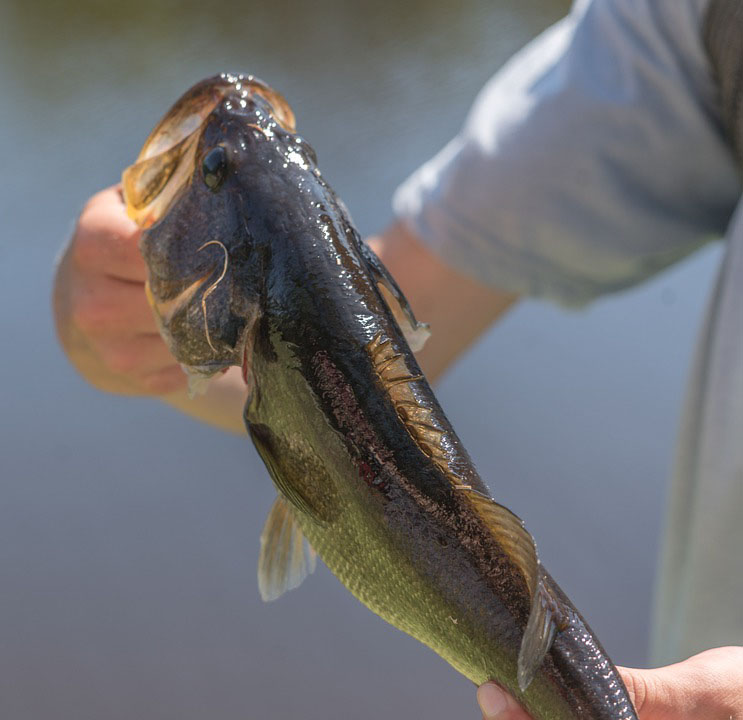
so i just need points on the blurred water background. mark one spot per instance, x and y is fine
(129, 534)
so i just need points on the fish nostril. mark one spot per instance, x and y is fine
(214, 167)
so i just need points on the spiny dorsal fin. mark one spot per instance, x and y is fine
(415, 333)
(286, 557)
(396, 378)
(546, 617)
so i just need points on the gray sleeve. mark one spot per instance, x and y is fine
(594, 159)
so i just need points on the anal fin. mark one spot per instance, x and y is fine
(286, 558)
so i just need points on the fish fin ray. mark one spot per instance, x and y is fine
(263, 441)
(286, 557)
(547, 614)
(416, 333)
(508, 529)
(546, 617)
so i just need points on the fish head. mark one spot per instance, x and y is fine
(189, 190)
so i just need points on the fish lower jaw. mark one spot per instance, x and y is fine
(199, 377)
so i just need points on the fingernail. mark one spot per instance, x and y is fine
(492, 700)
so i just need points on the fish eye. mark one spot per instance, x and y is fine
(214, 167)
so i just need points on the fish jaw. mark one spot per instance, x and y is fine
(199, 376)
(166, 162)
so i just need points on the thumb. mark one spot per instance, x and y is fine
(496, 704)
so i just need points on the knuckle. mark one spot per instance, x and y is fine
(103, 234)
(89, 206)
(99, 199)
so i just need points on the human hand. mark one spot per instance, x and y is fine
(103, 320)
(708, 686)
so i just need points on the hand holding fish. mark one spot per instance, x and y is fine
(102, 316)
(708, 685)
(106, 326)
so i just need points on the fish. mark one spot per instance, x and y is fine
(254, 261)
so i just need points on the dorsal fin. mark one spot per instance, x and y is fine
(547, 614)
(286, 557)
(397, 380)
(416, 333)
(508, 529)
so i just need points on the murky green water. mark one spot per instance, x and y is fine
(128, 534)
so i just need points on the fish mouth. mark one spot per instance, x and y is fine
(199, 376)
(166, 162)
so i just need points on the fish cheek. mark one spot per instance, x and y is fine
(209, 331)
(170, 252)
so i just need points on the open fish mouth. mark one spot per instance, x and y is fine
(166, 162)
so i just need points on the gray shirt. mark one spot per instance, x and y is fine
(592, 160)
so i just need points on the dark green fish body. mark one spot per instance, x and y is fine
(254, 261)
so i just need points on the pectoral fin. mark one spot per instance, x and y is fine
(286, 557)
(286, 479)
(415, 333)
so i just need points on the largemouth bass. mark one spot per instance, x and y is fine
(254, 261)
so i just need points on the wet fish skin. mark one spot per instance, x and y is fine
(365, 461)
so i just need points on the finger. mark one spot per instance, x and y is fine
(496, 704)
(105, 307)
(106, 239)
(137, 356)
(165, 381)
